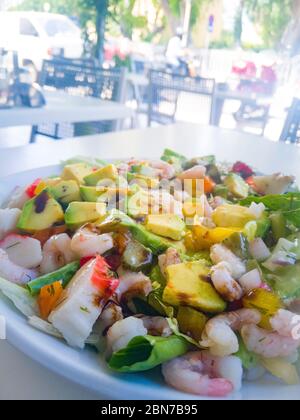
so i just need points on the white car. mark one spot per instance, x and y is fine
(39, 36)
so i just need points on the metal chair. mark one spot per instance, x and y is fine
(165, 90)
(83, 79)
(291, 129)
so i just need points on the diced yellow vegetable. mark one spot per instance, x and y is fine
(267, 303)
(232, 216)
(282, 370)
(204, 237)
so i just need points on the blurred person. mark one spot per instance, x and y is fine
(175, 53)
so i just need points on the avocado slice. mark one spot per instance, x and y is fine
(108, 172)
(138, 204)
(90, 194)
(76, 172)
(187, 285)
(167, 225)
(230, 215)
(66, 191)
(237, 186)
(117, 220)
(41, 212)
(80, 213)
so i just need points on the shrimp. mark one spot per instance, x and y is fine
(133, 284)
(207, 209)
(259, 250)
(199, 373)
(18, 198)
(13, 272)
(123, 331)
(163, 202)
(111, 314)
(286, 323)
(224, 283)
(8, 221)
(157, 326)
(56, 253)
(22, 250)
(268, 344)
(220, 253)
(87, 243)
(219, 335)
(171, 257)
(251, 280)
(217, 202)
(197, 172)
(164, 169)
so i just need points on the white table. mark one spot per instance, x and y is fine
(19, 376)
(62, 107)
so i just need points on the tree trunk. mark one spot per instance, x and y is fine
(172, 20)
(238, 24)
(102, 9)
(291, 37)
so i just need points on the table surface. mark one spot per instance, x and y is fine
(20, 377)
(62, 107)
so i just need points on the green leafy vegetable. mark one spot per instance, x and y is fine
(249, 359)
(64, 274)
(20, 297)
(285, 281)
(283, 202)
(145, 353)
(156, 302)
(173, 324)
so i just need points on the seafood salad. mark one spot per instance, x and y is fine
(187, 264)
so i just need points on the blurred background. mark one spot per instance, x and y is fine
(249, 48)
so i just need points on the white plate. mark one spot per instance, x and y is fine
(86, 367)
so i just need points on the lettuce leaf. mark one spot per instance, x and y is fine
(145, 353)
(285, 281)
(20, 297)
(45, 326)
(249, 359)
(283, 202)
(173, 324)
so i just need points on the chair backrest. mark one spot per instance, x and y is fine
(165, 90)
(291, 129)
(82, 78)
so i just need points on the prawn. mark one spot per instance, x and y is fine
(220, 253)
(219, 333)
(123, 331)
(202, 374)
(164, 169)
(197, 172)
(225, 284)
(133, 284)
(13, 272)
(18, 198)
(8, 221)
(171, 257)
(268, 344)
(157, 326)
(57, 253)
(87, 243)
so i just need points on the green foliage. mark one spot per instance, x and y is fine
(226, 41)
(272, 16)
